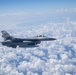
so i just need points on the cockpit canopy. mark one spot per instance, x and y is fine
(40, 36)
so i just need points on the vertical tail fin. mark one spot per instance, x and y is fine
(5, 35)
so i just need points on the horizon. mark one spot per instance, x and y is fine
(32, 12)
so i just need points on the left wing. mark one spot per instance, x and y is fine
(38, 39)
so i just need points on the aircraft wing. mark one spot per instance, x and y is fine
(38, 39)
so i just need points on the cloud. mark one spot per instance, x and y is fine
(20, 17)
(13, 14)
(63, 10)
(36, 17)
(50, 58)
(21, 14)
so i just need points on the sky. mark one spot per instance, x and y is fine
(29, 18)
(32, 12)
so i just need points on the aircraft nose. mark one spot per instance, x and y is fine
(53, 39)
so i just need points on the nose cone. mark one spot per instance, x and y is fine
(52, 39)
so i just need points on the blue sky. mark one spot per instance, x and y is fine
(36, 11)
(34, 5)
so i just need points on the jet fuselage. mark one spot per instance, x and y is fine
(23, 42)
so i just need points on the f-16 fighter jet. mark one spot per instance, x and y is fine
(13, 42)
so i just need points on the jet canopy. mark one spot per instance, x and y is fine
(40, 36)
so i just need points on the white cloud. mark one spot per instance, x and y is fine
(70, 68)
(21, 14)
(13, 14)
(63, 10)
(67, 74)
(51, 58)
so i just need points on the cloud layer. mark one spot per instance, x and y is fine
(51, 58)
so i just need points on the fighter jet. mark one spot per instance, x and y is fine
(13, 42)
